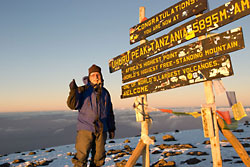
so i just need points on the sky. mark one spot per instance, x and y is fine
(44, 44)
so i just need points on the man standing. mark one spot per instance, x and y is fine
(95, 118)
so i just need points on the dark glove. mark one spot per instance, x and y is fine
(112, 134)
(73, 85)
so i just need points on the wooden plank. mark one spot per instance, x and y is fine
(214, 140)
(219, 44)
(143, 98)
(212, 20)
(168, 17)
(217, 67)
(240, 150)
(207, 122)
(136, 154)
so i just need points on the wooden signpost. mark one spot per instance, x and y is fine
(212, 20)
(143, 101)
(214, 139)
(218, 67)
(220, 44)
(207, 123)
(170, 16)
(209, 118)
(200, 61)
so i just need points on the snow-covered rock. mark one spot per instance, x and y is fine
(188, 149)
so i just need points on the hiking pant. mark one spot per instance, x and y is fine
(87, 141)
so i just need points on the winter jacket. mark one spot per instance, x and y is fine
(93, 114)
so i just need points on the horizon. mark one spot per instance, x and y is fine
(181, 155)
(34, 130)
(122, 109)
(30, 130)
(45, 44)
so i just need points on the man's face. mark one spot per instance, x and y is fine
(95, 78)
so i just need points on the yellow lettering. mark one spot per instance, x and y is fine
(172, 11)
(135, 91)
(147, 31)
(157, 46)
(172, 74)
(149, 70)
(120, 61)
(236, 8)
(218, 49)
(141, 51)
(145, 50)
(151, 61)
(177, 35)
(176, 8)
(243, 4)
(234, 44)
(152, 46)
(174, 18)
(161, 41)
(185, 34)
(134, 54)
(157, 26)
(199, 67)
(166, 64)
(166, 40)
(164, 23)
(172, 38)
(157, 19)
(140, 89)
(223, 14)
(153, 21)
(169, 56)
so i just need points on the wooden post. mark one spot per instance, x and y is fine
(144, 123)
(142, 148)
(207, 122)
(235, 143)
(215, 140)
(136, 154)
(210, 100)
(144, 131)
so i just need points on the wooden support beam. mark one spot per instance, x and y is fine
(141, 148)
(215, 140)
(144, 131)
(136, 154)
(144, 123)
(240, 150)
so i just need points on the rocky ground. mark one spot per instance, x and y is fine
(179, 148)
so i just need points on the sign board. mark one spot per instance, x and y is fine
(170, 16)
(219, 44)
(210, 69)
(214, 19)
